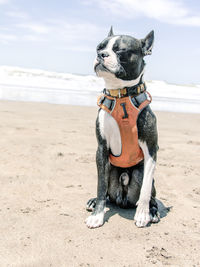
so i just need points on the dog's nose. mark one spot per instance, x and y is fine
(103, 54)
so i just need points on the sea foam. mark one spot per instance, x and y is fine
(22, 84)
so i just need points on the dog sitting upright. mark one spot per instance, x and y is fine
(126, 131)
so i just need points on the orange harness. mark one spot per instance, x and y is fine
(125, 112)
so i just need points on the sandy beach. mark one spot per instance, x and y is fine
(48, 173)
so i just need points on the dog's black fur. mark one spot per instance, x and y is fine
(111, 180)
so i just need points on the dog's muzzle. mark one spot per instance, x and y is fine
(99, 65)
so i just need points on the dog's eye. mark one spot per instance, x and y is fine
(121, 51)
(125, 53)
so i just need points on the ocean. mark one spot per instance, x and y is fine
(20, 84)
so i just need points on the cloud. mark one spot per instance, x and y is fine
(32, 38)
(35, 27)
(77, 48)
(17, 14)
(60, 34)
(2, 2)
(6, 38)
(74, 30)
(168, 11)
(62, 29)
(189, 21)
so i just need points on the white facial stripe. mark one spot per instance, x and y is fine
(110, 44)
(111, 62)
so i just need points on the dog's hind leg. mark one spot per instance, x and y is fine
(114, 189)
(114, 186)
(91, 204)
(153, 206)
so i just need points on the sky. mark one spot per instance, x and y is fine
(62, 35)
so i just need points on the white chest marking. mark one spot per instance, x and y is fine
(109, 130)
(112, 82)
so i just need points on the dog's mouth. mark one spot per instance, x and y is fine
(99, 66)
(96, 66)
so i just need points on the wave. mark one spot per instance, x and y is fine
(22, 84)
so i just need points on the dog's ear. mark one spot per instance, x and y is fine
(110, 32)
(147, 44)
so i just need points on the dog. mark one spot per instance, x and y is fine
(125, 162)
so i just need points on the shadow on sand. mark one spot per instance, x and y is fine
(130, 213)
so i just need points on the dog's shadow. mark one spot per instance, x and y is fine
(130, 213)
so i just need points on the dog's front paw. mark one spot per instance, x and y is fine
(95, 220)
(142, 216)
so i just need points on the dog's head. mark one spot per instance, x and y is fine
(122, 56)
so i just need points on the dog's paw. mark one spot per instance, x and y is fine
(95, 220)
(154, 214)
(142, 216)
(91, 204)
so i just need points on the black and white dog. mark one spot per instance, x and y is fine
(120, 62)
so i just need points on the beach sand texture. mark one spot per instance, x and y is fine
(48, 173)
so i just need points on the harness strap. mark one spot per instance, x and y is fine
(125, 111)
(108, 102)
(141, 100)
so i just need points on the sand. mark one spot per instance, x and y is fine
(48, 173)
